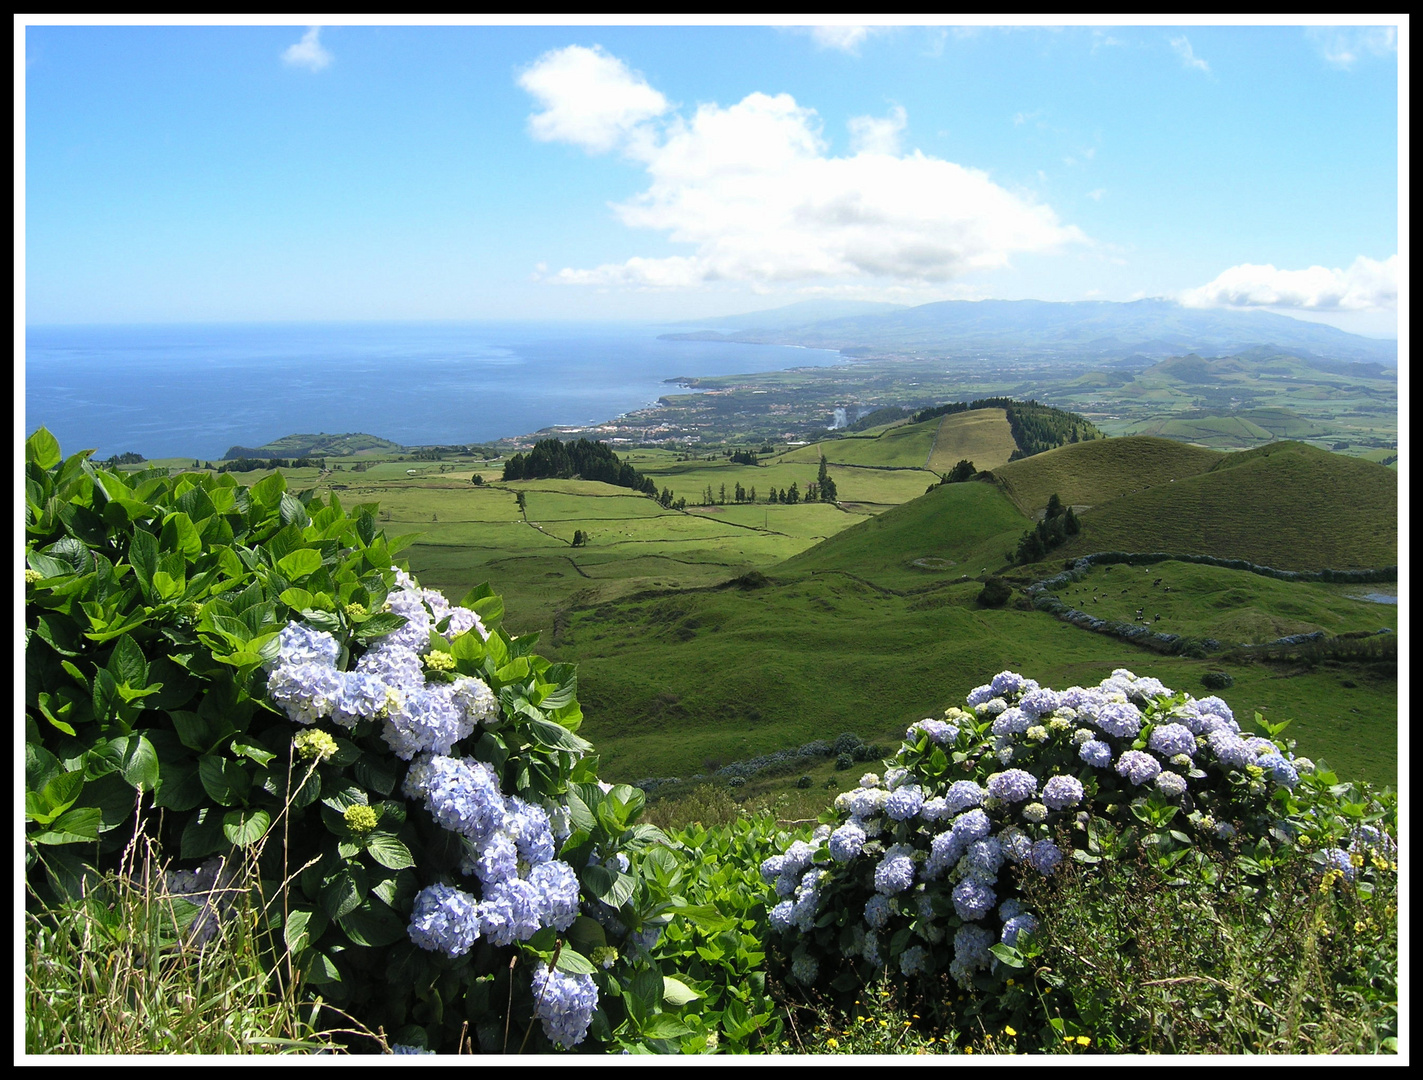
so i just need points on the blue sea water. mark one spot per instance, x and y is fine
(196, 390)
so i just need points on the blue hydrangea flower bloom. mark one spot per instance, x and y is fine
(804, 970)
(846, 842)
(1170, 784)
(1230, 748)
(780, 916)
(973, 899)
(940, 732)
(978, 695)
(463, 796)
(445, 919)
(914, 961)
(1138, 767)
(1018, 924)
(878, 909)
(971, 826)
(1061, 792)
(564, 1004)
(1120, 719)
(983, 859)
(895, 872)
(1096, 753)
(1007, 682)
(1040, 702)
(904, 802)
(1338, 859)
(1011, 722)
(1045, 857)
(1014, 785)
(963, 794)
(1171, 739)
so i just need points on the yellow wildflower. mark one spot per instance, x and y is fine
(1083, 1040)
(832, 1043)
(1357, 859)
(1009, 1030)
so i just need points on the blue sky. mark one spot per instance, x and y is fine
(405, 172)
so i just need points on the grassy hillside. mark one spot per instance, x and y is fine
(981, 436)
(1235, 607)
(900, 446)
(676, 684)
(955, 529)
(1094, 473)
(1286, 505)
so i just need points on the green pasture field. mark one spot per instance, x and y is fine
(982, 436)
(1233, 606)
(672, 685)
(1285, 505)
(1093, 473)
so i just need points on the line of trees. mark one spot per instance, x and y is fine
(585, 460)
(245, 464)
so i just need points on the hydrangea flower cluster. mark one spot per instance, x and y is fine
(934, 844)
(388, 683)
(564, 1004)
(509, 845)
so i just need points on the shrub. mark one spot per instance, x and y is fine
(804, 782)
(996, 592)
(1217, 680)
(217, 660)
(931, 870)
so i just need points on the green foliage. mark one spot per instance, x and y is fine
(153, 608)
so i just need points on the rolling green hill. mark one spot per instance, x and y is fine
(899, 446)
(981, 436)
(1286, 505)
(953, 530)
(1093, 473)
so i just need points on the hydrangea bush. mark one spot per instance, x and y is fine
(248, 672)
(919, 871)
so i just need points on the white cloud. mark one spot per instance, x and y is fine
(1188, 55)
(1343, 46)
(752, 187)
(878, 135)
(589, 98)
(847, 39)
(1096, 194)
(308, 52)
(1366, 285)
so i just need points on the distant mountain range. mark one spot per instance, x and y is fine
(1039, 328)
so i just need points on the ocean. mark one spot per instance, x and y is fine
(196, 390)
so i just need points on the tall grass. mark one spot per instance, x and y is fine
(124, 965)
